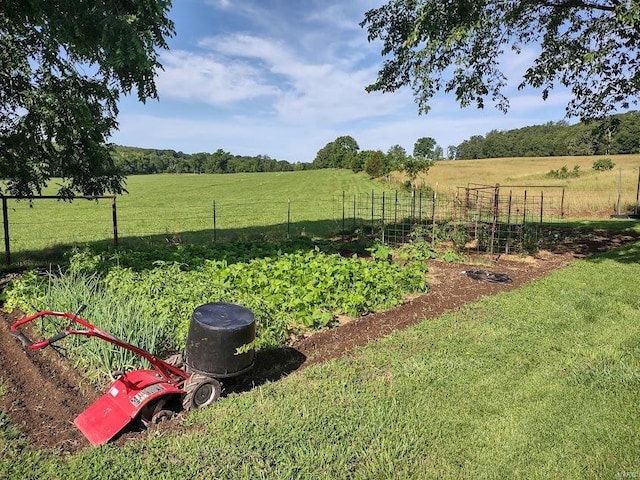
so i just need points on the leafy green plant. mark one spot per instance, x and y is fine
(451, 256)
(152, 306)
(531, 241)
(416, 251)
(380, 251)
(456, 233)
(564, 172)
(26, 292)
(420, 247)
(603, 164)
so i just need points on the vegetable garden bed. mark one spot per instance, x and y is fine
(449, 289)
(149, 303)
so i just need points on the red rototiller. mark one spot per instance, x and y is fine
(220, 344)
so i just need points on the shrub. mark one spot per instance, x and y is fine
(603, 164)
(564, 172)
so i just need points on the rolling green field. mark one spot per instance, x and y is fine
(180, 208)
(273, 206)
(541, 382)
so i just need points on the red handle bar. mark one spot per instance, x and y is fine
(27, 342)
(172, 374)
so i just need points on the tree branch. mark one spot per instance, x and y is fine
(580, 4)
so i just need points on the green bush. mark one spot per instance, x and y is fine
(564, 172)
(603, 164)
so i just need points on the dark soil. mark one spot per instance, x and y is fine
(44, 394)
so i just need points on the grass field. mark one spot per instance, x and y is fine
(180, 208)
(592, 194)
(541, 382)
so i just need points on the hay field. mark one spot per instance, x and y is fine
(590, 195)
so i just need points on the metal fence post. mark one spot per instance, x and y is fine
(5, 223)
(372, 211)
(114, 216)
(494, 225)
(288, 217)
(215, 222)
(433, 219)
(343, 213)
(382, 217)
(507, 248)
(354, 211)
(395, 212)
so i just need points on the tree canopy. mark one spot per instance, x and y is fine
(620, 134)
(134, 161)
(424, 148)
(588, 46)
(337, 154)
(63, 66)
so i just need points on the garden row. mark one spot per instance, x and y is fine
(147, 297)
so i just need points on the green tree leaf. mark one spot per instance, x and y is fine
(63, 66)
(589, 47)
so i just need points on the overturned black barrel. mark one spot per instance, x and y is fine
(221, 339)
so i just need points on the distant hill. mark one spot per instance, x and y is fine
(617, 135)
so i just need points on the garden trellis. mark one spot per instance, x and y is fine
(488, 218)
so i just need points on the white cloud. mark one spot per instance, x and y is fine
(284, 78)
(335, 17)
(272, 52)
(238, 67)
(221, 4)
(203, 78)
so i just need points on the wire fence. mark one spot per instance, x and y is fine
(488, 218)
(492, 218)
(503, 220)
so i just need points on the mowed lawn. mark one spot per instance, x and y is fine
(541, 382)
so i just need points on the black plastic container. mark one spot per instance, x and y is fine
(221, 338)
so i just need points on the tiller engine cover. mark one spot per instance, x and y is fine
(125, 400)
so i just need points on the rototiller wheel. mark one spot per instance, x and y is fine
(220, 344)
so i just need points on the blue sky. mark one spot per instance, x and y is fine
(285, 77)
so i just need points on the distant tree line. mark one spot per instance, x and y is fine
(619, 134)
(132, 161)
(343, 152)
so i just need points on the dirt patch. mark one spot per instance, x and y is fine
(44, 395)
